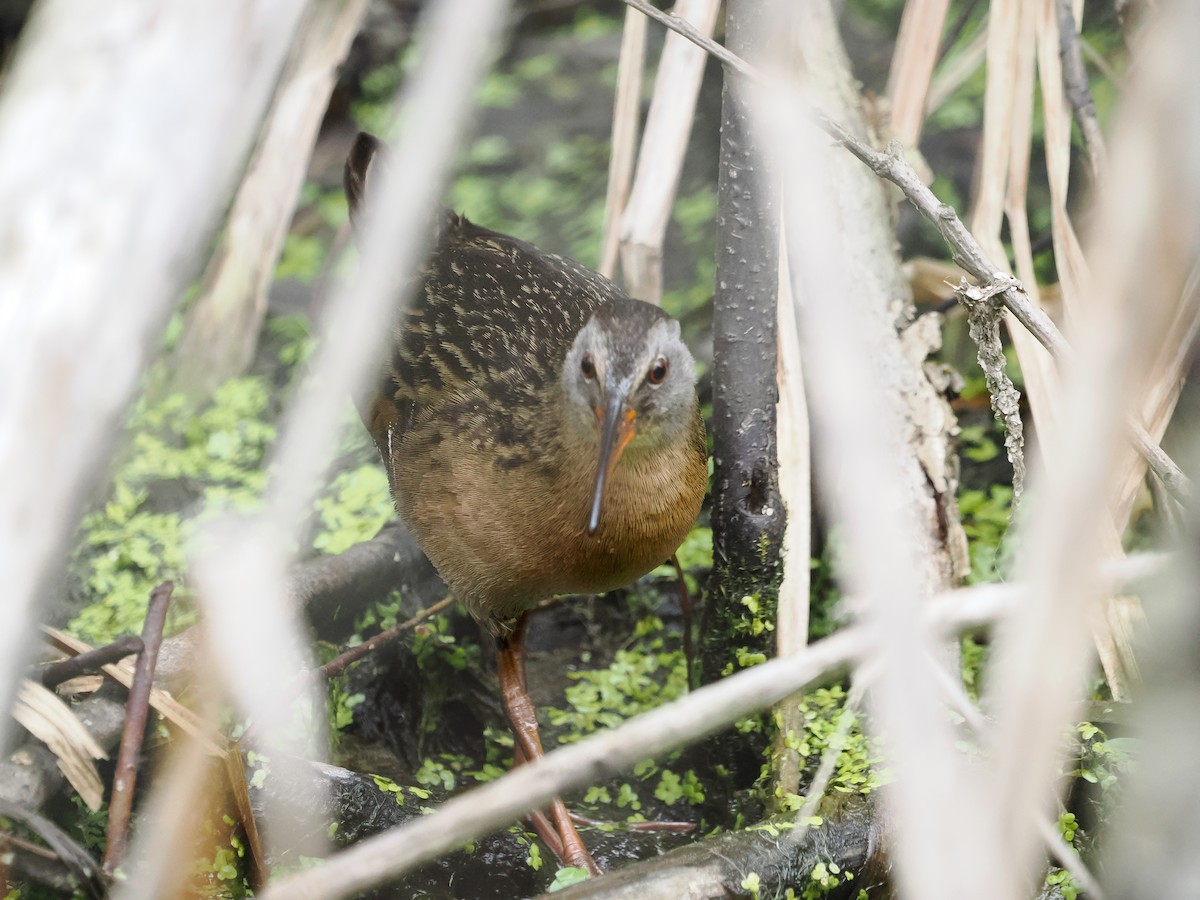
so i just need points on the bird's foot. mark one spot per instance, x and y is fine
(564, 843)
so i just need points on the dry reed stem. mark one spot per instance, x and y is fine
(1165, 383)
(162, 702)
(48, 718)
(116, 198)
(1152, 837)
(242, 578)
(1116, 652)
(856, 433)
(1147, 229)
(1004, 19)
(1056, 118)
(166, 853)
(913, 61)
(627, 113)
(660, 158)
(222, 326)
(795, 488)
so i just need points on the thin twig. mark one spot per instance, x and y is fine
(966, 250)
(636, 827)
(137, 708)
(92, 660)
(339, 662)
(685, 28)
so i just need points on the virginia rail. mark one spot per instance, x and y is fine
(541, 434)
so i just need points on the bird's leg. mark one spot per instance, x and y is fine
(542, 825)
(562, 837)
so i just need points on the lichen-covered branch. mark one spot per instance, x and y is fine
(983, 318)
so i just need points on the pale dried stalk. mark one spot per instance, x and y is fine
(1113, 642)
(660, 159)
(1148, 228)
(164, 853)
(1159, 806)
(1165, 383)
(1041, 377)
(795, 475)
(795, 487)
(242, 580)
(815, 792)
(40, 712)
(857, 433)
(1037, 365)
(912, 66)
(1056, 118)
(879, 440)
(1112, 639)
(1004, 19)
(222, 326)
(161, 702)
(143, 117)
(627, 110)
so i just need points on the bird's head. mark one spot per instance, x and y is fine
(631, 383)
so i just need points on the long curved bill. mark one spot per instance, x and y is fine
(616, 429)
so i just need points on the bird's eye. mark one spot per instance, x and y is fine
(587, 367)
(658, 371)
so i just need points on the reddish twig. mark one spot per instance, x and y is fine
(640, 827)
(338, 663)
(685, 606)
(136, 710)
(91, 661)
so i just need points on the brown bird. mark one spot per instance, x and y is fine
(541, 434)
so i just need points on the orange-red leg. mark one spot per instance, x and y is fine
(558, 831)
